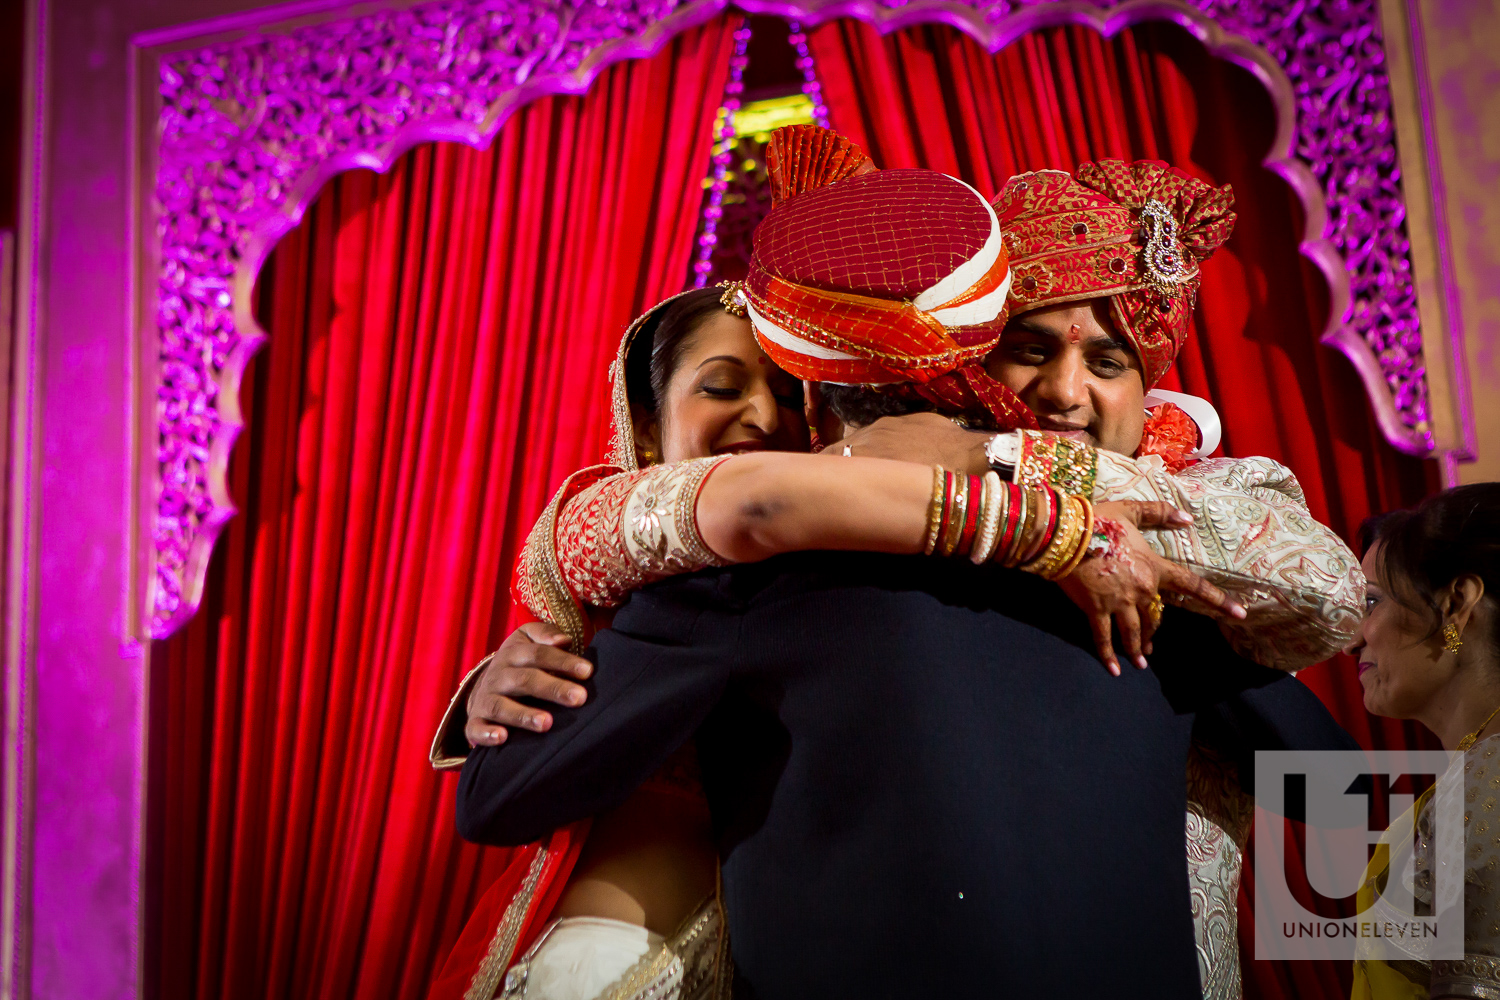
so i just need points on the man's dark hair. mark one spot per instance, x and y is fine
(861, 405)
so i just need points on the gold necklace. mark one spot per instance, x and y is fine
(1473, 737)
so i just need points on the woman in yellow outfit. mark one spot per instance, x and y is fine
(1429, 649)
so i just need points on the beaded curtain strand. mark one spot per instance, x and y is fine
(810, 86)
(723, 153)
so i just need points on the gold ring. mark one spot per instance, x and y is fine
(1153, 610)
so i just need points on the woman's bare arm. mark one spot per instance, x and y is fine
(622, 531)
(757, 506)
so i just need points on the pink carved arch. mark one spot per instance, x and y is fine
(250, 129)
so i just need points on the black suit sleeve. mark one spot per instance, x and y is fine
(1282, 715)
(660, 671)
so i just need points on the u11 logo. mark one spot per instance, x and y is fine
(1359, 855)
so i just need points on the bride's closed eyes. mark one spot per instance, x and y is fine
(722, 377)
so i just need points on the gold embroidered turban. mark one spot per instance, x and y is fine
(1132, 232)
(880, 277)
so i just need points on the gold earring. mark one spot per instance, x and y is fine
(648, 456)
(1451, 642)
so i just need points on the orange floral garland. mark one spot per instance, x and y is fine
(1171, 434)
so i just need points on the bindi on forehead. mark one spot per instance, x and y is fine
(761, 359)
(1075, 334)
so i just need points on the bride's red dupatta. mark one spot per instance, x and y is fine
(520, 903)
(515, 909)
(510, 915)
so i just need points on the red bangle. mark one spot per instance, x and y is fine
(971, 517)
(1054, 505)
(1012, 519)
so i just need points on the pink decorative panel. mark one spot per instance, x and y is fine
(251, 129)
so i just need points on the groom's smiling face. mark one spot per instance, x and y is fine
(1076, 372)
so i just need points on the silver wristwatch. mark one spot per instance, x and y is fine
(1003, 453)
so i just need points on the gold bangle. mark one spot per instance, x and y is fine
(1044, 501)
(996, 497)
(1038, 562)
(957, 511)
(934, 511)
(1080, 535)
(1081, 544)
(1067, 545)
(1078, 539)
(1059, 548)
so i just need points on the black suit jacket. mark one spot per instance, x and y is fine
(923, 780)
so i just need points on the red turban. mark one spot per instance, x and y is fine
(1132, 232)
(895, 277)
(880, 277)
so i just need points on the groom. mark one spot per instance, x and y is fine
(922, 779)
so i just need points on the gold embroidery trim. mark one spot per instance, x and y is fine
(677, 959)
(687, 512)
(661, 520)
(647, 977)
(437, 755)
(503, 945)
(545, 575)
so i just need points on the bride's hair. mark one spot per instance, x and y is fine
(1423, 549)
(659, 345)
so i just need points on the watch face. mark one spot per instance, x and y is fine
(1001, 450)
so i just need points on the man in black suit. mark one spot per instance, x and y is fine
(922, 780)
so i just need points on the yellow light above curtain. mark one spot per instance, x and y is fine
(757, 119)
(760, 118)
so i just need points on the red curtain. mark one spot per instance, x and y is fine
(932, 97)
(439, 338)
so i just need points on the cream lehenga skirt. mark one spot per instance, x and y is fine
(594, 958)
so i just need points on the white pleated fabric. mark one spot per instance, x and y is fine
(582, 956)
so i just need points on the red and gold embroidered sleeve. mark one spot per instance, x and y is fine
(591, 542)
(538, 582)
(606, 533)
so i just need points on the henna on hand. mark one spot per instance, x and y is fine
(1113, 586)
(1123, 578)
